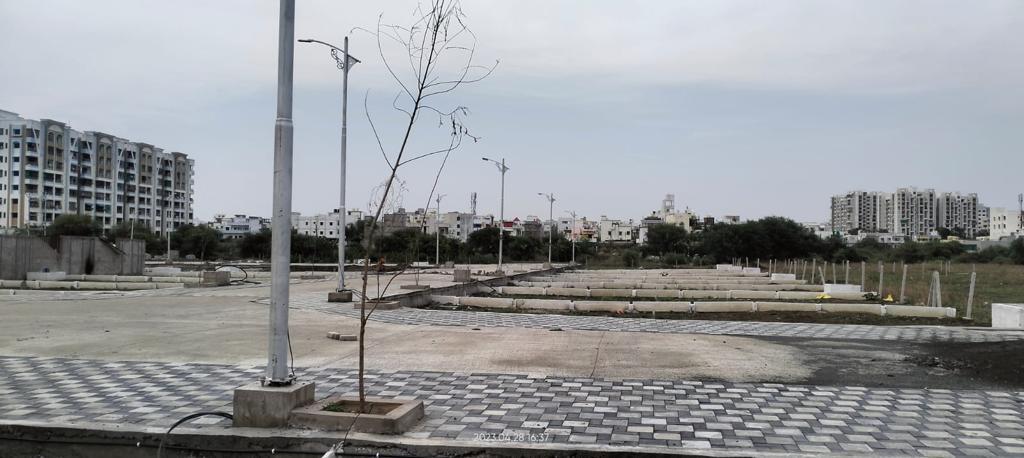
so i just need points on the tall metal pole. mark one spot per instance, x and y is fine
(344, 158)
(437, 232)
(281, 241)
(501, 215)
(344, 62)
(572, 233)
(551, 217)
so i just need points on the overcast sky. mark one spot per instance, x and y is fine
(737, 107)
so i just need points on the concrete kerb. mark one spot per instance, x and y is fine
(421, 298)
(133, 441)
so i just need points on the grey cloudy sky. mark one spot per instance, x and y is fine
(737, 107)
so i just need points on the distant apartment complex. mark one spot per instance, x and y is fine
(48, 169)
(908, 213)
(1005, 223)
(324, 224)
(237, 226)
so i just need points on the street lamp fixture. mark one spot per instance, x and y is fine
(572, 233)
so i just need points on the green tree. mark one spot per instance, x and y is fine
(71, 224)
(663, 239)
(1017, 251)
(199, 241)
(154, 243)
(484, 241)
(255, 246)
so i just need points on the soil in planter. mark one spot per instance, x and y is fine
(374, 408)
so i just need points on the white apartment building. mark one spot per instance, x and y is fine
(324, 224)
(955, 210)
(614, 230)
(908, 213)
(48, 169)
(865, 211)
(1004, 223)
(914, 212)
(237, 226)
(456, 225)
(984, 217)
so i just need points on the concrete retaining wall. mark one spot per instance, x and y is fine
(22, 254)
(1008, 316)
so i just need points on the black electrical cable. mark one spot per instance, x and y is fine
(160, 448)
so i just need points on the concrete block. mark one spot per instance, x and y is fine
(544, 304)
(661, 306)
(874, 309)
(45, 284)
(1008, 316)
(342, 337)
(528, 290)
(215, 278)
(270, 406)
(786, 307)
(920, 311)
(831, 288)
(666, 293)
(490, 302)
(46, 276)
(339, 296)
(601, 306)
(783, 277)
(751, 270)
(462, 276)
(705, 294)
(723, 306)
(728, 268)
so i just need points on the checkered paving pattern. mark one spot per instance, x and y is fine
(412, 316)
(506, 407)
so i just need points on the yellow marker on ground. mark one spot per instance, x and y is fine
(889, 298)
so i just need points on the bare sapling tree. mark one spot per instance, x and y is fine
(437, 57)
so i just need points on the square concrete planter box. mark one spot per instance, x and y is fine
(381, 305)
(387, 416)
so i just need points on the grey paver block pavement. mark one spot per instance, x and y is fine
(646, 413)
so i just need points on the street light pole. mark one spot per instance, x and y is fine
(437, 232)
(572, 233)
(281, 241)
(501, 212)
(344, 63)
(551, 217)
